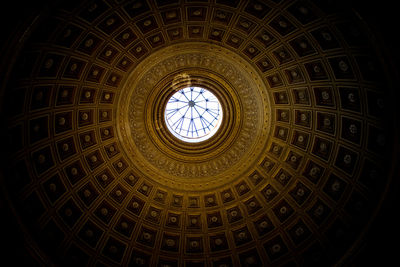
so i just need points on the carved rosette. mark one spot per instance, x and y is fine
(232, 151)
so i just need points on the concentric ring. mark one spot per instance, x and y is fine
(181, 164)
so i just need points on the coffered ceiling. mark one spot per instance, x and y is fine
(294, 176)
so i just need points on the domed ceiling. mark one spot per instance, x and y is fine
(294, 175)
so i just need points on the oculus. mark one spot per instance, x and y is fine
(193, 114)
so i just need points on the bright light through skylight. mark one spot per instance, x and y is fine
(193, 114)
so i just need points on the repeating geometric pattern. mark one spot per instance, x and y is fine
(307, 201)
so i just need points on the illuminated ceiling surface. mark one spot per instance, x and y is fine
(104, 172)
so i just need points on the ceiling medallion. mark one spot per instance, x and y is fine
(164, 143)
(193, 114)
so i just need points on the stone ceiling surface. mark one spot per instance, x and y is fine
(294, 176)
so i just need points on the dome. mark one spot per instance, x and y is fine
(197, 133)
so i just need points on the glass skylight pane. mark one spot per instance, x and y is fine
(193, 114)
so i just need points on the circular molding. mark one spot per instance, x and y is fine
(178, 164)
(176, 81)
(302, 164)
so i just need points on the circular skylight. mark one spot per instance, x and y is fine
(193, 114)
